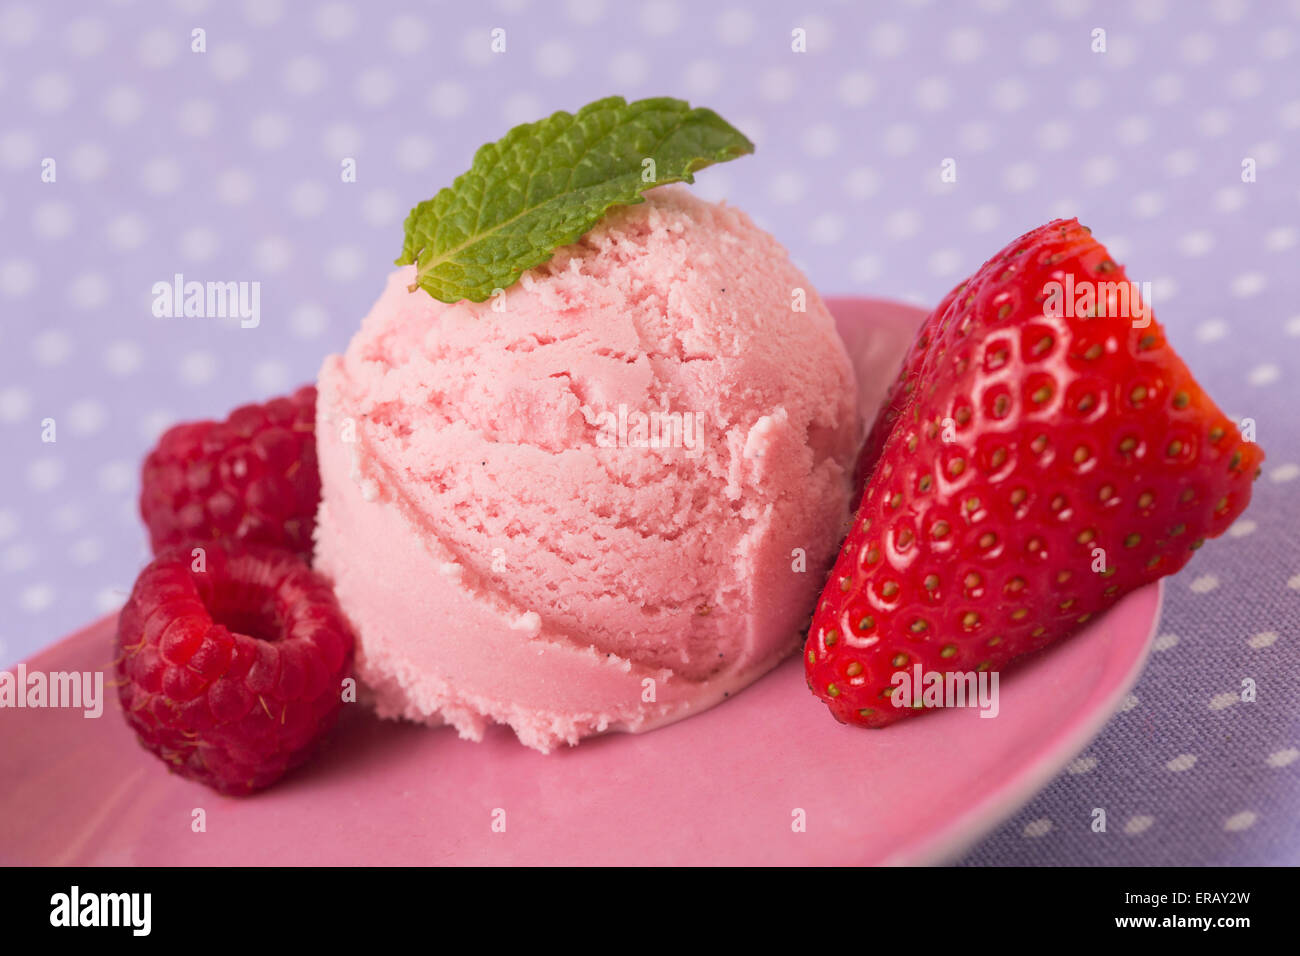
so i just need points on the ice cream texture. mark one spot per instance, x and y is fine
(603, 499)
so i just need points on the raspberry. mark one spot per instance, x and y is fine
(229, 662)
(252, 477)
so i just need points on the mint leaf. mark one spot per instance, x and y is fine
(546, 184)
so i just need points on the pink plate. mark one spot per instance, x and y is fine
(765, 778)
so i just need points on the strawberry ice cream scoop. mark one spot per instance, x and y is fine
(603, 499)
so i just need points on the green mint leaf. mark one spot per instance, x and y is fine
(546, 184)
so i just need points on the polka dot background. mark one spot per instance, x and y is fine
(225, 165)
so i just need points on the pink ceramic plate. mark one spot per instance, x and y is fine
(766, 778)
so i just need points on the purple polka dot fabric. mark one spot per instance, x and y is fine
(140, 140)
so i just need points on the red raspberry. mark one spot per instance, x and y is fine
(230, 662)
(253, 477)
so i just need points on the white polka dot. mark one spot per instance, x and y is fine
(1099, 170)
(85, 37)
(1248, 284)
(36, 597)
(123, 358)
(1262, 640)
(1147, 205)
(108, 600)
(335, 21)
(88, 161)
(1283, 758)
(1038, 828)
(415, 152)
(1287, 472)
(17, 277)
(408, 34)
(1138, 824)
(660, 17)
(8, 524)
(116, 477)
(381, 208)
(341, 140)
(1197, 48)
(308, 321)
(899, 139)
(126, 232)
(1009, 94)
(197, 368)
(52, 347)
(735, 27)
(903, 224)
(975, 136)
(786, 187)
(862, 182)
(1195, 243)
(1204, 584)
(447, 100)
(269, 131)
(199, 244)
(376, 87)
(50, 92)
(1019, 177)
(122, 105)
(1081, 765)
(1133, 130)
(1181, 162)
(777, 85)
(271, 377)
(304, 75)
(985, 218)
(886, 40)
(229, 62)
(344, 263)
(1224, 700)
(820, 140)
(826, 229)
(1275, 43)
(1164, 642)
(15, 404)
(307, 199)
(1041, 49)
(1167, 89)
(1129, 702)
(556, 58)
(865, 268)
(1293, 582)
(1229, 199)
(520, 108)
(161, 176)
(856, 89)
(17, 149)
(87, 417)
(234, 187)
(628, 68)
(1054, 135)
(1181, 762)
(1265, 374)
(964, 45)
(1242, 527)
(44, 474)
(18, 557)
(53, 220)
(1240, 821)
(1211, 330)
(933, 94)
(1281, 238)
(263, 13)
(159, 47)
(196, 118)
(944, 262)
(66, 518)
(272, 254)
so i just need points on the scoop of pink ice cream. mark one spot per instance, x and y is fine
(603, 499)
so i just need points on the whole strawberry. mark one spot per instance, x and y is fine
(1042, 453)
(252, 477)
(230, 660)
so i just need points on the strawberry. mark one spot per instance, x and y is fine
(1038, 457)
